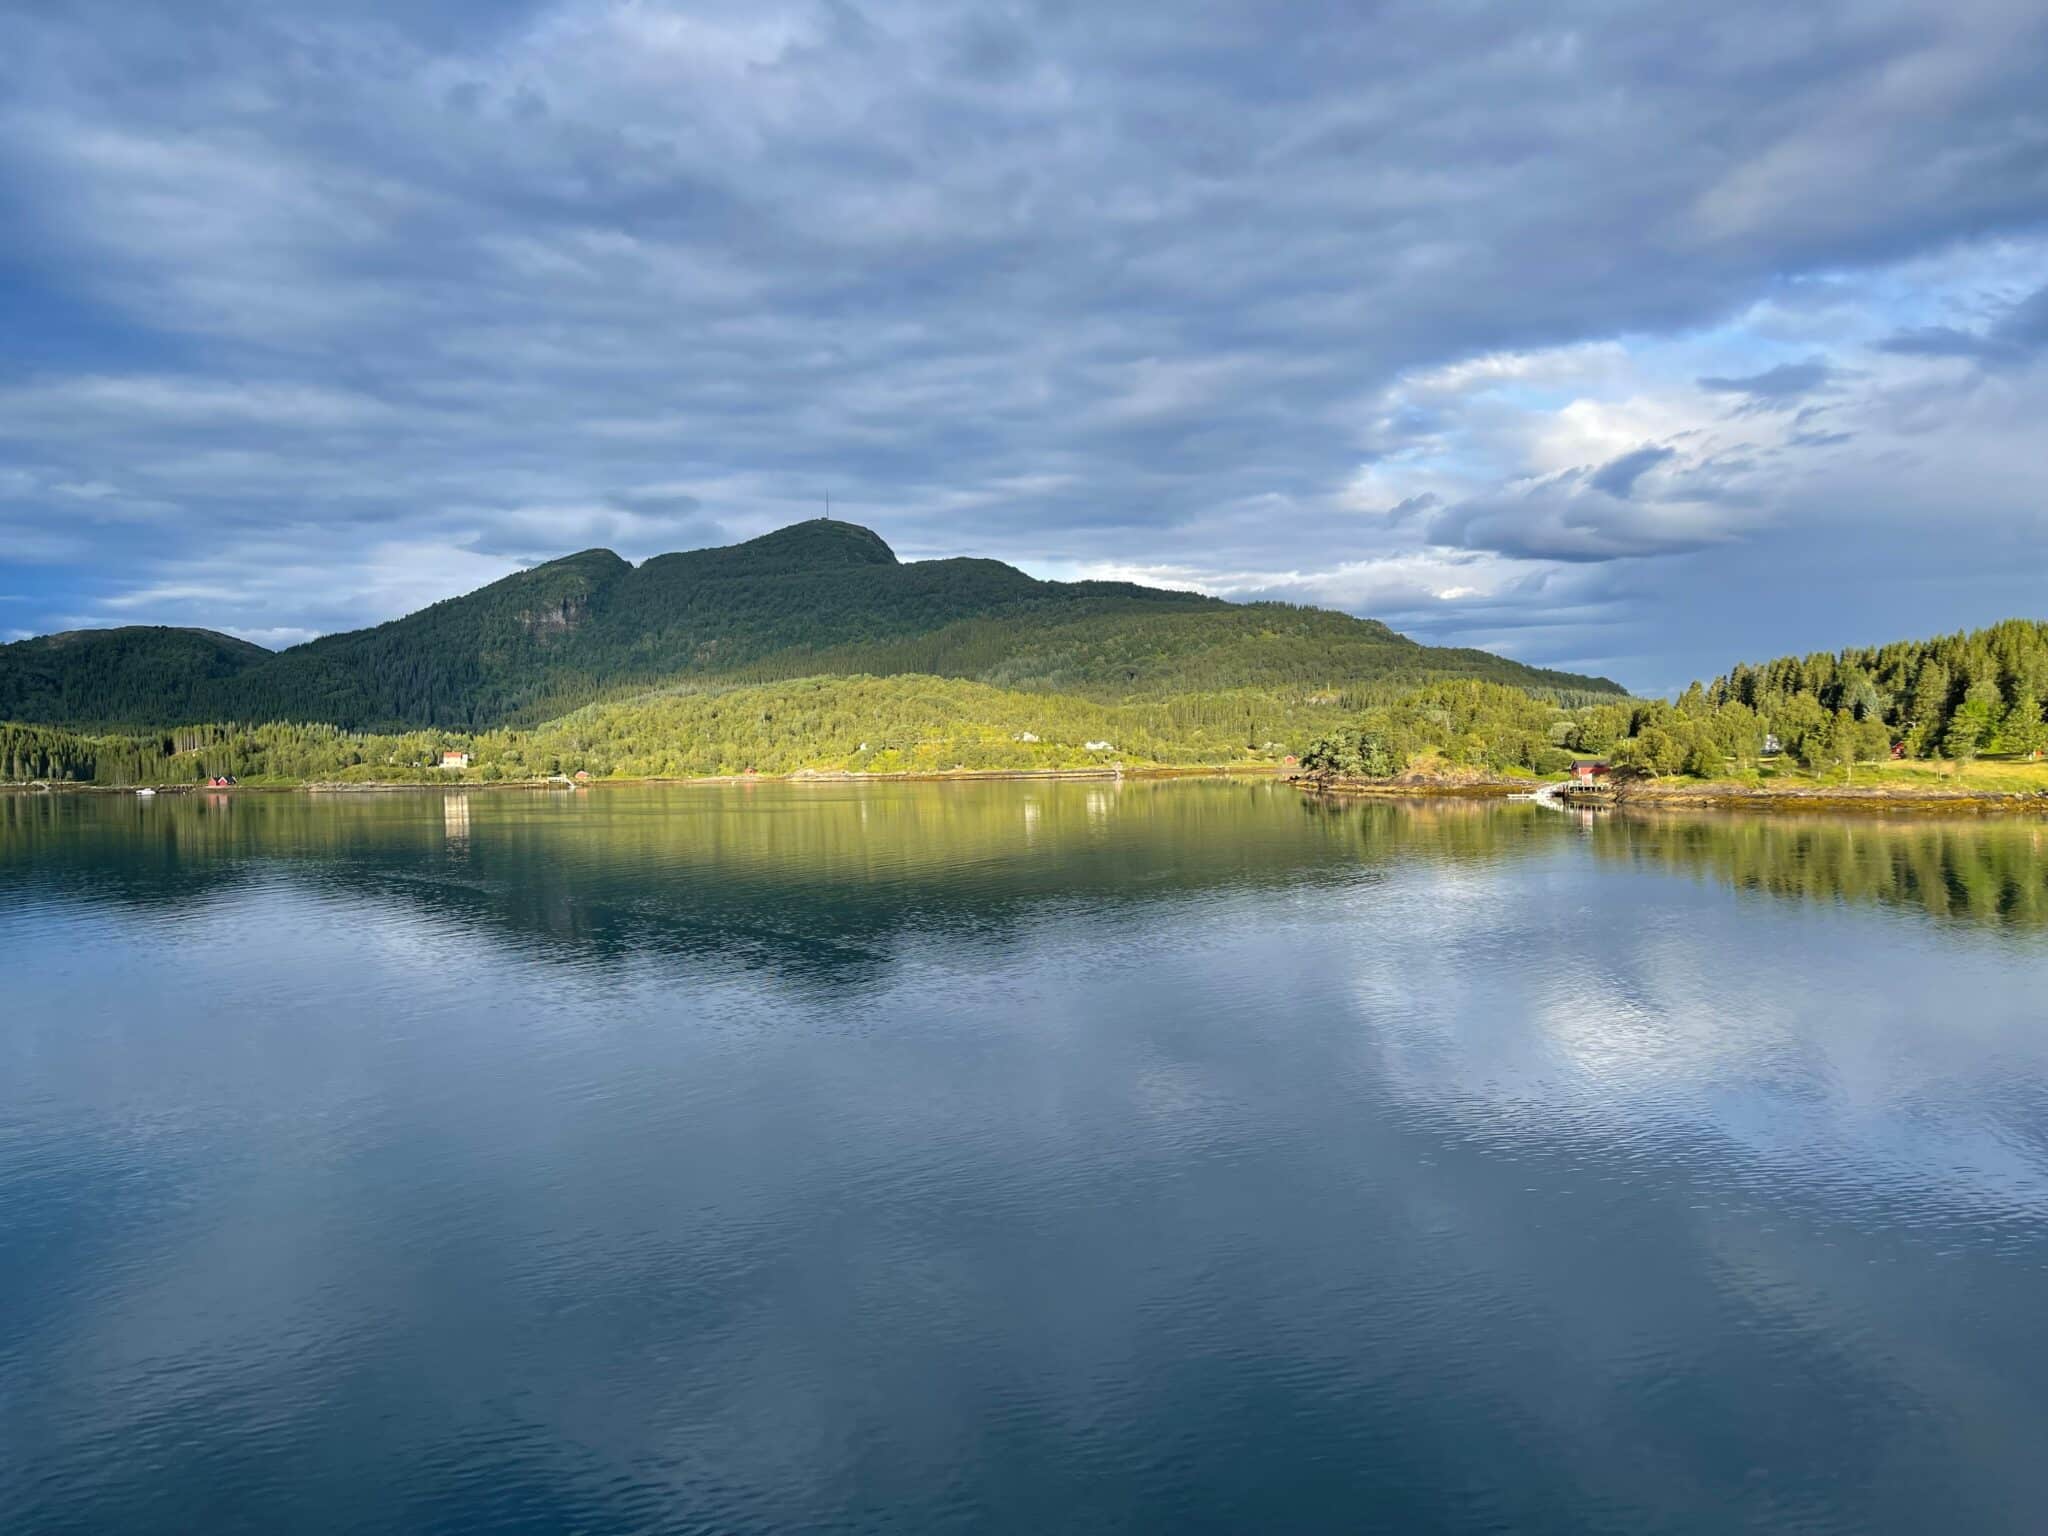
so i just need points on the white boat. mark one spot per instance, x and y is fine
(145, 791)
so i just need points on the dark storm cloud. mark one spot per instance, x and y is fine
(1573, 518)
(1618, 477)
(2015, 336)
(414, 291)
(1779, 387)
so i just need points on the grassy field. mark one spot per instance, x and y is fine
(1987, 775)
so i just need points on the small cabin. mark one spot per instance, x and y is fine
(454, 759)
(582, 775)
(1590, 771)
(221, 781)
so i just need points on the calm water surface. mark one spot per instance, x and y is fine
(1170, 1157)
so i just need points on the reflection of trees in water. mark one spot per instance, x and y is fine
(1446, 827)
(1993, 871)
(828, 881)
(809, 880)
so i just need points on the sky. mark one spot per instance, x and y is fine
(1632, 339)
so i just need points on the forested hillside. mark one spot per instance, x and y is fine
(1955, 698)
(817, 597)
(134, 675)
(904, 723)
(1118, 651)
(1951, 697)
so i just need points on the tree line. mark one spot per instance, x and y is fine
(1956, 698)
(900, 723)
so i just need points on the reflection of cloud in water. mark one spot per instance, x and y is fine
(1658, 1017)
(746, 1165)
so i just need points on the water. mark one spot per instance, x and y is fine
(1026, 1157)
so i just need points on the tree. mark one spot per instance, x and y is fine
(1655, 751)
(2022, 731)
(1970, 727)
(1350, 753)
(1849, 741)
(1965, 734)
(1859, 695)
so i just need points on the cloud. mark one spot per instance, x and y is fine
(1077, 287)
(2015, 336)
(1618, 477)
(1779, 387)
(1573, 517)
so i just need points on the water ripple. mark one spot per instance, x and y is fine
(1005, 1156)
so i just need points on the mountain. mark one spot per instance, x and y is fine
(815, 598)
(137, 674)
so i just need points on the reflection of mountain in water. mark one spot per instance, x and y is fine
(824, 880)
(809, 880)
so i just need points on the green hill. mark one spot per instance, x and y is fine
(814, 598)
(1115, 650)
(908, 723)
(131, 675)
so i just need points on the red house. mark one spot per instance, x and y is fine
(1589, 771)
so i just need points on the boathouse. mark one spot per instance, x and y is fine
(454, 759)
(1590, 771)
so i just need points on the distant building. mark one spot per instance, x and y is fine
(1097, 746)
(1590, 771)
(582, 775)
(455, 760)
(221, 781)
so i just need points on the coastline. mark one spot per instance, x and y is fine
(1707, 795)
(799, 776)
(1640, 794)
(1823, 797)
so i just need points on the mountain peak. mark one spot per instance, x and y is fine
(815, 598)
(820, 541)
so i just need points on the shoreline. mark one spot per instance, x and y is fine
(799, 776)
(1823, 797)
(1641, 794)
(1705, 796)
